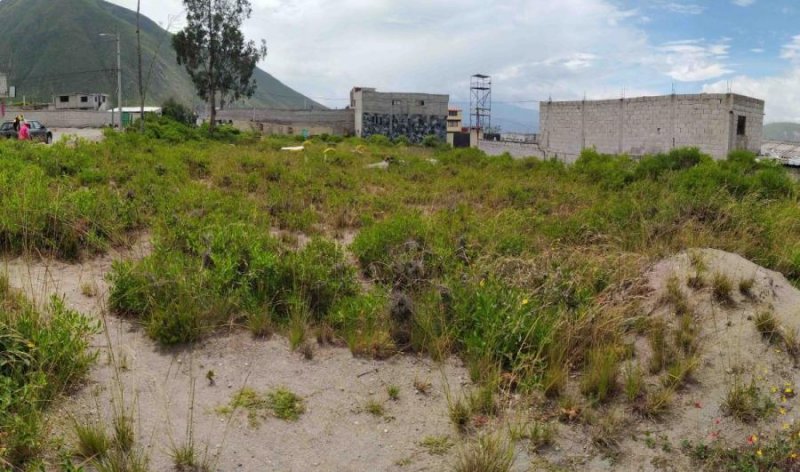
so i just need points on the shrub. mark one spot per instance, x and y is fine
(432, 141)
(379, 140)
(612, 172)
(319, 274)
(42, 355)
(178, 112)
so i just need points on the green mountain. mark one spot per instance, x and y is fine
(782, 132)
(51, 47)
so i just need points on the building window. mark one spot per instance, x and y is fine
(64, 99)
(84, 99)
(421, 103)
(397, 102)
(741, 126)
(104, 99)
(453, 113)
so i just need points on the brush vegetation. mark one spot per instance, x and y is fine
(508, 264)
(43, 355)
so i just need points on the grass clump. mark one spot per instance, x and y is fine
(436, 445)
(746, 403)
(722, 288)
(375, 408)
(281, 403)
(746, 287)
(285, 404)
(185, 459)
(675, 296)
(600, 376)
(767, 324)
(93, 440)
(394, 392)
(487, 454)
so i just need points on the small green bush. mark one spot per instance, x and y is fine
(42, 355)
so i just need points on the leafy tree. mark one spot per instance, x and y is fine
(178, 112)
(215, 53)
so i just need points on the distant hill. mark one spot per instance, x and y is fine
(50, 47)
(510, 118)
(782, 132)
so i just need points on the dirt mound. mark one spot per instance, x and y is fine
(744, 321)
(173, 393)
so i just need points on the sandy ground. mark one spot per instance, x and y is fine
(334, 434)
(731, 349)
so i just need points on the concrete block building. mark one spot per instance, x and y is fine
(413, 115)
(715, 123)
(81, 101)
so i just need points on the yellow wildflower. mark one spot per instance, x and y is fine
(782, 411)
(759, 453)
(774, 389)
(524, 302)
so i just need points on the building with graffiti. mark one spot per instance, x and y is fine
(413, 115)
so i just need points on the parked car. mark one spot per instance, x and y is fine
(38, 131)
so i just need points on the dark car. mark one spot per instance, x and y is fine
(38, 131)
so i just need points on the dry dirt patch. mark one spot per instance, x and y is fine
(334, 434)
(731, 350)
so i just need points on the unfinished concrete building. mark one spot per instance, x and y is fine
(413, 115)
(715, 123)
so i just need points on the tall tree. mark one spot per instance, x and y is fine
(216, 55)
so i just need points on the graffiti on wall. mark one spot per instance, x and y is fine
(414, 127)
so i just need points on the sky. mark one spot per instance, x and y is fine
(533, 49)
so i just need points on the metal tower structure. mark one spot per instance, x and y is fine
(480, 102)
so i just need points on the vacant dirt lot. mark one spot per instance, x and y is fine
(92, 134)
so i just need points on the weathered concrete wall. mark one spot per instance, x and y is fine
(516, 150)
(753, 110)
(413, 115)
(267, 121)
(649, 125)
(63, 118)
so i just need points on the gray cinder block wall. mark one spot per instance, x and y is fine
(714, 123)
(63, 118)
(413, 115)
(292, 122)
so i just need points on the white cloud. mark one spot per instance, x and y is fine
(744, 3)
(322, 48)
(780, 92)
(694, 60)
(683, 8)
(791, 51)
(757, 50)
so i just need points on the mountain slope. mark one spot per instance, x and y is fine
(509, 118)
(782, 132)
(52, 47)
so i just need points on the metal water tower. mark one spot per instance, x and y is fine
(480, 102)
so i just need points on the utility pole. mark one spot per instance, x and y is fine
(119, 78)
(139, 53)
